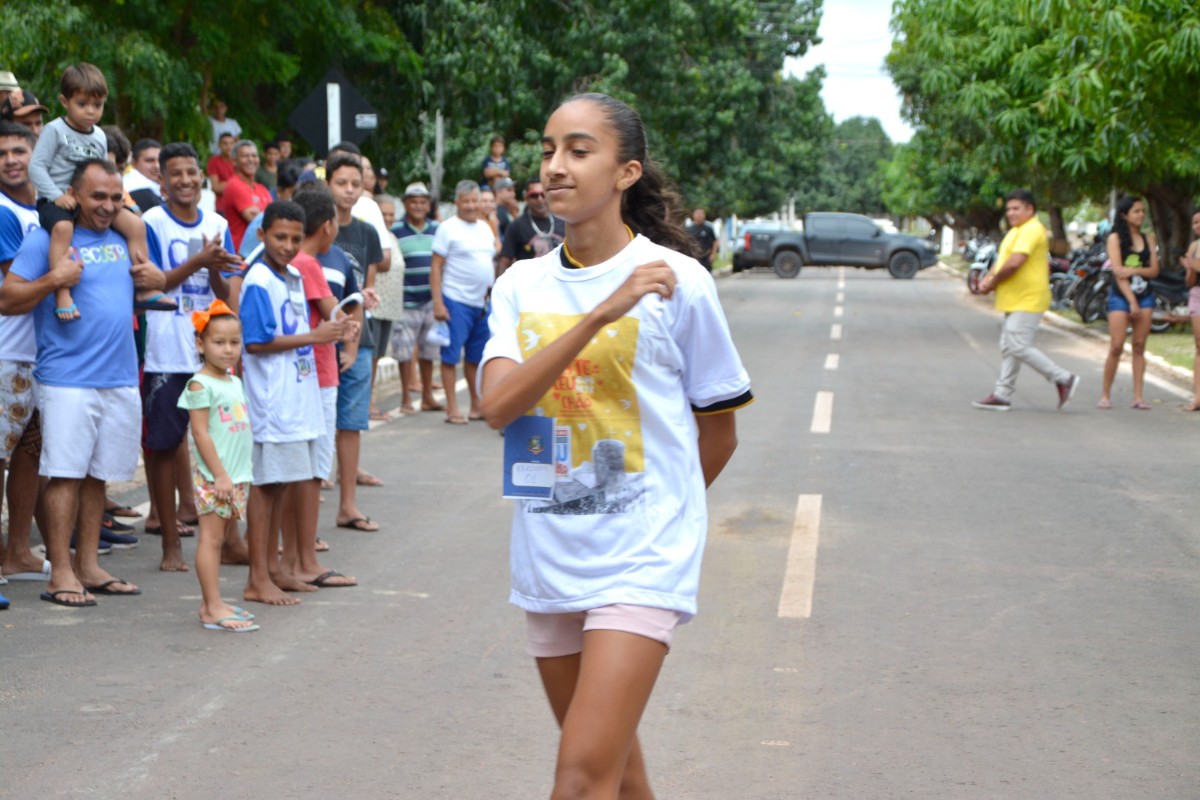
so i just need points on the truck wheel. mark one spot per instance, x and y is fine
(904, 265)
(787, 264)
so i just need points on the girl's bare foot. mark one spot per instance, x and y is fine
(226, 616)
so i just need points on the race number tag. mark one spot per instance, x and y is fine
(529, 459)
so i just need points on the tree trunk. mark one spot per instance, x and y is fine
(1059, 246)
(1170, 212)
(1057, 228)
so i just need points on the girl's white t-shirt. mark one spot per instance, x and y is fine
(628, 520)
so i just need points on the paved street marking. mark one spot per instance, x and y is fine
(776, 743)
(838, 311)
(835, 331)
(822, 419)
(841, 297)
(841, 277)
(831, 361)
(795, 601)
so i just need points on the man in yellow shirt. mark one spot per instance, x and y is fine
(1021, 280)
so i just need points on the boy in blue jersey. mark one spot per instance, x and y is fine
(282, 393)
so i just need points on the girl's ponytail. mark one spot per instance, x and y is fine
(649, 207)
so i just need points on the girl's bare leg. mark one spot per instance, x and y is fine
(1195, 404)
(598, 697)
(208, 571)
(1118, 323)
(1141, 332)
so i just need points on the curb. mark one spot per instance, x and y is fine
(1160, 364)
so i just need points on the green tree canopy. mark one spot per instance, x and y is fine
(1069, 98)
(705, 75)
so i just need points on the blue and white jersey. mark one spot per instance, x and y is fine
(281, 388)
(170, 336)
(17, 339)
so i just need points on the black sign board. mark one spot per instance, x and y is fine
(333, 107)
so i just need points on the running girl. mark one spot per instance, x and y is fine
(221, 457)
(619, 337)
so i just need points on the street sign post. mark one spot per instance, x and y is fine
(333, 112)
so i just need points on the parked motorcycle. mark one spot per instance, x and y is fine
(984, 258)
(1065, 287)
(1170, 300)
(1091, 295)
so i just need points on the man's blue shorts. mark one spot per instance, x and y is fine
(469, 329)
(354, 394)
(1117, 301)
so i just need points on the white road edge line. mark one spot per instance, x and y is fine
(822, 419)
(831, 361)
(835, 331)
(795, 600)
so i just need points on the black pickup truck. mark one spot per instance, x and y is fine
(828, 240)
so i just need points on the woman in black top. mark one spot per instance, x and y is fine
(1134, 260)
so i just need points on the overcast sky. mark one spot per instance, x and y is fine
(856, 40)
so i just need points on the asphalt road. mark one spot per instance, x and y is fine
(903, 597)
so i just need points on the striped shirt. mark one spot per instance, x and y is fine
(417, 247)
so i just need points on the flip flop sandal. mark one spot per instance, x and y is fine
(159, 302)
(103, 588)
(321, 581)
(71, 309)
(123, 511)
(53, 597)
(184, 530)
(1142, 405)
(217, 626)
(367, 479)
(110, 522)
(44, 575)
(356, 524)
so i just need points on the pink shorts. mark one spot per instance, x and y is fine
(1194, 301)
(553, 635)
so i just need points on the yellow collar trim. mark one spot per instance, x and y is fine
(573, 262)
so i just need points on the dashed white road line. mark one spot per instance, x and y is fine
(841, 297)
(832, 360)
(822, 419)
(795, 600)
(838, 311)
(835, 331)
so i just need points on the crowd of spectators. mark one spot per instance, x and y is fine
(112, 255)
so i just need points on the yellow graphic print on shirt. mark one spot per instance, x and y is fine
(598, 430)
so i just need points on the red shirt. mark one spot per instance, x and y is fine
(316, 288)
(237, 197)
(220, 167)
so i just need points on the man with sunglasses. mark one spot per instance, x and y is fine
(534, 233)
